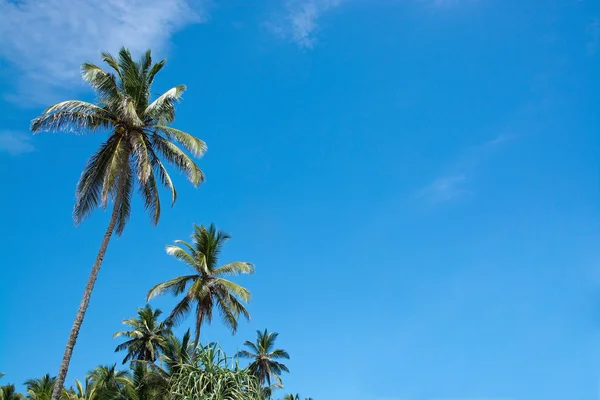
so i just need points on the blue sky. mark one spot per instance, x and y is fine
(416, 182)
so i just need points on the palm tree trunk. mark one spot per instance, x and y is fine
(199, 320)
(85, 301)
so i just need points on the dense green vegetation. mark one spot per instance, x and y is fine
(161, 366)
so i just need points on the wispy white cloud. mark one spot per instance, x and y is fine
(47, 40)
(453, 184)
(593, 32)
(15, 143)
(445, 189)
(298, 22)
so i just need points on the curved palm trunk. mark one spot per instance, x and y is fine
(199, 321)
(85, 301)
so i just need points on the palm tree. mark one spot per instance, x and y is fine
(296, 397)
(176, 353)
(147, 336)
(40, 388)
(8, 392)
(265, 366)
(207, 287)
(82, 391)
(138, 386)
(106, 382)
(138, 136)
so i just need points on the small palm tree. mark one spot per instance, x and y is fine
(264, 356)
(8, 392)
(138, 386)
(106, 382)
(138, 136)
(40, 388)
(207, 287)
(176, 353)
(296, 397)
(82, 391)
(147, 336)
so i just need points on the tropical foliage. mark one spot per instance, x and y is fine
(211, 374)
(139, 141)
(264, 356)
(207, 287)
(147, 336)
(163, 366)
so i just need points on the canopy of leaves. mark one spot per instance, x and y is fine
(140, 138)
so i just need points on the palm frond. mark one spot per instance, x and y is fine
(235, 289)
(178, 158)
(89, 187)
(102, 82)
(196, 146)
(155, 69)
(73, 116)
(112, 62)
(126, 180)
(181, 255)
(162, 110)
(175, 286)
(163, 175)
(234, 268)
(180, 311)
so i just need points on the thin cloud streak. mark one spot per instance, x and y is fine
(454, 186)
(593, 32)
(445, 189)
(298, 21)
(15, 143)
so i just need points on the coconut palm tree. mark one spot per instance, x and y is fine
(138, 386)
(8, 392)
(40, 388)
(147, 336)
(106, 382)
(82, 391)
(139, 138)
(207, 287)
(296, 397)
(176, 353)
(264, 356)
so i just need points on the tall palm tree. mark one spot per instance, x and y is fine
(264, 356)
(40, 388)
(138, 136)
(207, 287)
(147, 336)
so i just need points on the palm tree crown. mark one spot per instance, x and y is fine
(265, 366)
(40, 388)
(139, 133)
(146, 338)
(207, 287)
